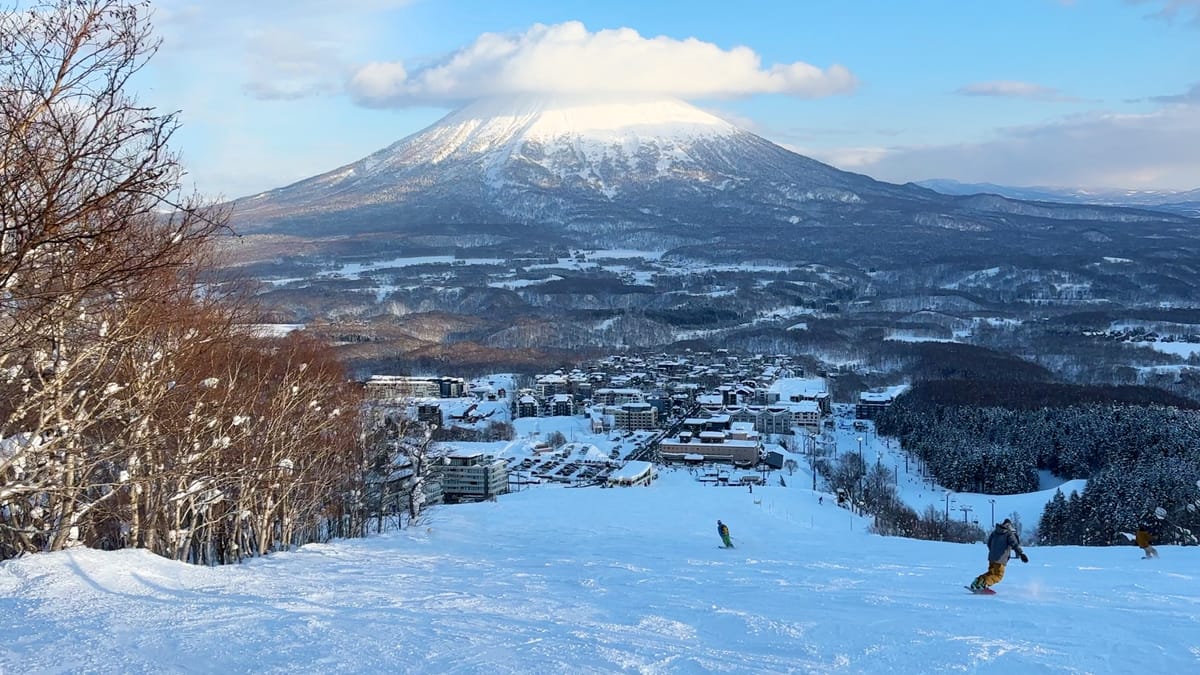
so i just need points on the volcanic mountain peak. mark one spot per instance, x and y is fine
(493, 150)
(544, 117)
(495, 130)
(608, 171)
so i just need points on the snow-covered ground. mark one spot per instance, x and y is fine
(558, 580)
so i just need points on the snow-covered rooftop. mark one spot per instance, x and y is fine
(631, 470)
(800, 387)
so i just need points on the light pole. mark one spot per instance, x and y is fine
(861, 458)
(993, 503)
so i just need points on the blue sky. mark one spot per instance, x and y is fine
(1084, 93)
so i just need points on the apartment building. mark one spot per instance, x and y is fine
(527, 406)
(430, 413)
(549, 385)
(562, 405)
(740, 445)
(871, 403)
(473, 476)
(616, 396)
(383, 387)
(634, 416)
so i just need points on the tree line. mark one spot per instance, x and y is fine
(1137, 457)
(137, 406)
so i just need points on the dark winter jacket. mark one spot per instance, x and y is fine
(723, 530)
(1002, 543)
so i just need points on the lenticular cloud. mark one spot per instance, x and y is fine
(567, 58)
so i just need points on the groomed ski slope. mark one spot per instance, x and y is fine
(564, 580)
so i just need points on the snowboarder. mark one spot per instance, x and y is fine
(1143, 540)
(723, 530)
(1002, 543)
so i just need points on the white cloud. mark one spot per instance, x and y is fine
(1014, 89)
(1160, 149)
(273, 49)
(567, 58)
(283, 63)
(857, 158)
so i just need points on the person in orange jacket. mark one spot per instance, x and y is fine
(1143, 541)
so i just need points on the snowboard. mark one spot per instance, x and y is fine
(980, 591)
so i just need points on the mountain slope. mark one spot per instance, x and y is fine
(511, 194)
(656, 174)
(599, 581)
(548, 160)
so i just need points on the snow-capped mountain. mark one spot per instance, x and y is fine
(569, 160)
(657, 173)
(516, 184)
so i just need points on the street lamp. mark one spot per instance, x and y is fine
(993, 503)
(861, 458)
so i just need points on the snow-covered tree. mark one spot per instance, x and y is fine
(133, 411)
(86, 254)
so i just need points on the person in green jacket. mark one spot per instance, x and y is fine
(723, 530)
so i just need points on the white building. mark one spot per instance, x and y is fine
(633, 473)
(382, 387)
(616, 396)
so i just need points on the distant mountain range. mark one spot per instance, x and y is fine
(1186, 202)
(568, 223)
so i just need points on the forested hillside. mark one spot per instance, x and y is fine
(1139, 449)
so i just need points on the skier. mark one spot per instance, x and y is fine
(723, 530)
(1002, 543)
(1143, 539)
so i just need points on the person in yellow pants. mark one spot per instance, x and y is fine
(723, 530)
(1001, 543)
